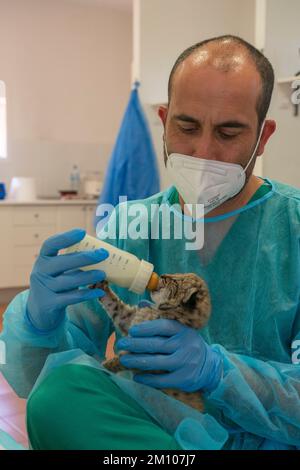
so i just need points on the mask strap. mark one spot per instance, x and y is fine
(256, 146)
(165, 146)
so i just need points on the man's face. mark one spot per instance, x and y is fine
(212, 114)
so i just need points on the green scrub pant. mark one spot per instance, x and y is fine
(78, 407)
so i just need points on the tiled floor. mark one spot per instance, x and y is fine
(12, 408)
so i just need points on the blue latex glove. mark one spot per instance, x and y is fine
(55, 281)
(168, 345)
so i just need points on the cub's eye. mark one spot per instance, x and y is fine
(191, 303)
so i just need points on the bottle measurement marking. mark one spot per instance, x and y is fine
(121, 267)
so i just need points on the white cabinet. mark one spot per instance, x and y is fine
(24, 227)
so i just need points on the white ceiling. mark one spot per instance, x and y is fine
(117, 4)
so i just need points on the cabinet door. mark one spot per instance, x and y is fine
(31, 226)
(70, 217)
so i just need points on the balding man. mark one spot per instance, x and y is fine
(244, 362)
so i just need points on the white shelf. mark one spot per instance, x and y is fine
(49, 202)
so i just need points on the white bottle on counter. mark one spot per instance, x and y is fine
(75, 178)
(121, 268)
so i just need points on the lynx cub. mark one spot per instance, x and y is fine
(181, 297)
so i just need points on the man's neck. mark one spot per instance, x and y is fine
(238, 201)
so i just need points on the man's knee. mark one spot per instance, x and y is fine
(50, 406)
(79, 407)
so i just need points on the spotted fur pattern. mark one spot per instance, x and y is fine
(181, 297)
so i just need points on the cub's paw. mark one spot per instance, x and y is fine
(113, 365)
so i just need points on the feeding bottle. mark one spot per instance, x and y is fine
(121, 268)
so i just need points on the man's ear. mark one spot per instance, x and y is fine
(269, 129)
(163, 112)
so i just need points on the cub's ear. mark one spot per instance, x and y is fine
(190, 297)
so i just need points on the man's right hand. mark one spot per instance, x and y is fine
(55, 281)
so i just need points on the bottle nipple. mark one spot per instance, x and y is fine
(153, 281)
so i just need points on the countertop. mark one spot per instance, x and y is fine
(49, 202)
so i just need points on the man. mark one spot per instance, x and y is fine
(215, 127)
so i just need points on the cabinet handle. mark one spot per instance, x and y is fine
(84, 209)
(36, 235)
(36, 216)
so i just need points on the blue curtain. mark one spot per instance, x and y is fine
(132, 170)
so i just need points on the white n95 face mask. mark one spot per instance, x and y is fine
(207, 182)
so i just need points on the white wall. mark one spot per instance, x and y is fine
(67, 70)
(282, 155)
(163, 29)
(168, 27)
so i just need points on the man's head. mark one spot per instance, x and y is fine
(219, 94)
(225, 54)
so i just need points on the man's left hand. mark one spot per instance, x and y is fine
(167, 345)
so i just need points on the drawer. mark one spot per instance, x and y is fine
(32, 235)
(38, 215)
(25, 255)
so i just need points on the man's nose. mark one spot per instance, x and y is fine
(204, 147)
